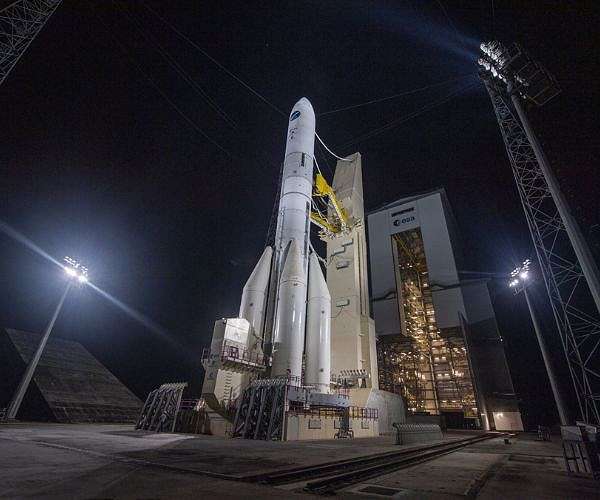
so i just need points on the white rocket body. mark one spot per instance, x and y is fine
(293, 221)
(290, 316)
(292, 240)
(318, 330)
(284, 306)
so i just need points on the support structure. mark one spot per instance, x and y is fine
(20, 23)
(569, 272)
(17, 399)
(560, 406)
(261, 411)
(161, 408)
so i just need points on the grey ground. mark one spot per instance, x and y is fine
(112, 461)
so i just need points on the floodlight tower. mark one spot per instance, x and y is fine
(77, 274)
(570, 274)
(520, 279)
(20, 23)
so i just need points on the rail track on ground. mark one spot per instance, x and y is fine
(327, 478)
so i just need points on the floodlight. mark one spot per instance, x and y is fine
(75, 270)
(519, 274)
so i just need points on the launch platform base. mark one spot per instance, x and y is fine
(114, 461)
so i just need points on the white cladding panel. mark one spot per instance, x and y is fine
(383, 280)
(403, 218)
(477, 298)
(222, 385)
(436, 238)
(237, 330)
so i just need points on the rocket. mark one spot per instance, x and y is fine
(286, 299)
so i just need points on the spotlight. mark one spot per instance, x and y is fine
(520, 274)
(74, 269)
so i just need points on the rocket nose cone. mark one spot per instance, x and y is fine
(304, 102)
(304, 106)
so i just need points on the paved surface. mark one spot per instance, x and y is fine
(95, 461)
(112, 461)
(489, 470)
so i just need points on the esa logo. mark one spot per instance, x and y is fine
(406, 220)
(294, 115)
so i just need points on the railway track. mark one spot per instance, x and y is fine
(330, 477)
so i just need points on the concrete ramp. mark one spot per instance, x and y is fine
(69, 385)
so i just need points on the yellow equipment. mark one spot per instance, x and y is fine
(336, 220)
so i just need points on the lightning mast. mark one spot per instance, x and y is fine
(20, 23)
(513, 78)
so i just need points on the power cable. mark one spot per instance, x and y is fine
(408, 92)
(319, 258)
(317, 165)
(452, 25)
(213, 60)
(320, 149)
(331, 152)
(405, 118)
(180, 70)
(162, 93)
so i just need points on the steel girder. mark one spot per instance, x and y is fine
(20, 23)
(261, 410)
(161, 408)
(565, 283)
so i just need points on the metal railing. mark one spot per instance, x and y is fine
(232, 352)
(356, 412)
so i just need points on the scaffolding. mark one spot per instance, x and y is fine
(20, 23)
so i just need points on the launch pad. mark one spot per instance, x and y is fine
(112, 461)
(303, 359)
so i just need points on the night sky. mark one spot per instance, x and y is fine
(126, 147)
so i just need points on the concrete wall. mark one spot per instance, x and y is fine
(303, 427)
(488, 358)
(390, 407)
(69, 384)
(352, 330)
(221, 385)
(508, 421)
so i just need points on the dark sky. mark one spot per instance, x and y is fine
(103, 155)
